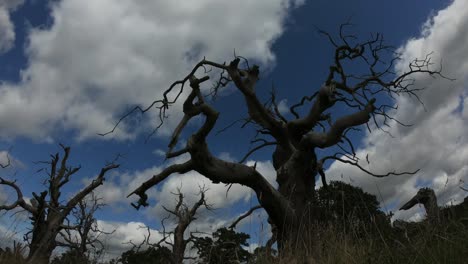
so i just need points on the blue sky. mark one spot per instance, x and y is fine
(71, 68)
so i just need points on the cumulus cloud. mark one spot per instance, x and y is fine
(119, 185)
(101, 56)
(10, 162)
(437, 141)
(217, 195)
(5, 159)
(120, 234)
(7, 30)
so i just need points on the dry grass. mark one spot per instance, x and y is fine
(423, 243)
(13, 256)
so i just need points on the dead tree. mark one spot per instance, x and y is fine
(427, 197)
(83, 237)
(184, 216)
(48, 210)
(436, 215)
(296, 140)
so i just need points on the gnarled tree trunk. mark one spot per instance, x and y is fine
(48, 215)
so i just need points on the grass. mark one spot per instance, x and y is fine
(13, 256)
(423, 243)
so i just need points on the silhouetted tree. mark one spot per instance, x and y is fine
(83, 238)
(295, 140)
(348, 205)
(72, 256)
(185, 216)
(226, 246)
(177, 239)
(48, 210)
(151, 255)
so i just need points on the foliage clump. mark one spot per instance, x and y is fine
(226, 246)
(349, 208)
(151, 255)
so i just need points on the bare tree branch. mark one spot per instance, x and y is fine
(244, 215)
(19, 201)
(141, 191)
(356, 164)
(49, 215)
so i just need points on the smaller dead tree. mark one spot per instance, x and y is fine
(48, 209)
(83, 238)
(184, 217)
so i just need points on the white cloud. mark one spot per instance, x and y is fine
(135, 232)
(437, 143)
(159, 153)
(118, 185)
(123, 233)
(11, 162)
(283, 107)
(217, 195)
(5, 159)
(7, 30)
(101, 56)
(251, 248)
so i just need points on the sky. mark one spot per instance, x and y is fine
(71, 68)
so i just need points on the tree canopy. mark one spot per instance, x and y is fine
(151, 255)
(226, 246)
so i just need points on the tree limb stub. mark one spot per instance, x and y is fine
(141, 191)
